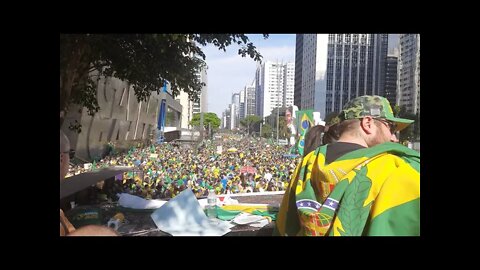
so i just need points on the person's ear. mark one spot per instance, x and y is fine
(366, 124)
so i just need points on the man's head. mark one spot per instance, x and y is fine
(64, 155)
(371, 119)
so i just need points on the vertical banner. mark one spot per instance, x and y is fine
(304, 122)
(161, 121)
(165, 87)
(161, 115)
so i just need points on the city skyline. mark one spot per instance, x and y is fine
(229, 73)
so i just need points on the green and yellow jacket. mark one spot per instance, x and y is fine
(367, 192)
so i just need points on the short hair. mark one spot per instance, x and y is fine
(64, 142)
(348, 126)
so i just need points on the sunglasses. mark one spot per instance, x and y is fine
(71, 153)
(391, 125)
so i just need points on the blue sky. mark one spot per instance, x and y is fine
(228, 72)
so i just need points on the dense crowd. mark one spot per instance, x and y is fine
(164, 170)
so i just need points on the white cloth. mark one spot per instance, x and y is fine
(251, 220)
(183, 216)
(135, 202)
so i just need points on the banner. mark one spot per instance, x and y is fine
(161, 115)
(304, 122)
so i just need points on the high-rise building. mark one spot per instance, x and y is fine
(314, 68)
(288, 84)
(274, 86)
(393, 45)
(391, 79)
(250, 100)
(190, 107)
(236, 99)
(242, 107)
(408, 94)
(258, 94)
(297, 98)
(233, 116)
(236, 102)
(224, 119)
(187, 109)
(227, 118)
(202, 104)
(339, 67)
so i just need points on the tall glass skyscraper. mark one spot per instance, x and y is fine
(409, 73)
(339, 67)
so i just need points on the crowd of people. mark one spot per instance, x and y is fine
(354, 179)
(160, 171)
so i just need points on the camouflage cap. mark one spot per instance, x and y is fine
(375, 106)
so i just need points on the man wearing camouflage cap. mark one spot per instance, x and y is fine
(365, 184)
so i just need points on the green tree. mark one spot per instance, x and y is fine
(250, 121)
(408, 133)
(416, 131)
(266, 131)
(145, 61)
(284, 130)
(208, 118)
(396, 110)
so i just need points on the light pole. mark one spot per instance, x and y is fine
(201, 126)
(201, 131)
(279, 70)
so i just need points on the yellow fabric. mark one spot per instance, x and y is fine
(244, 208)
(385, 180)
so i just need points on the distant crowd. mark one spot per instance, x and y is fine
(164, 170)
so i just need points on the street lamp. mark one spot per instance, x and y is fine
(278, 95)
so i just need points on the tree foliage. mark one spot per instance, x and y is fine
(208, 118)
(284, 131)
(250, 121)
(145, 61)
(412, 132)
(396, 110)
(267, 131)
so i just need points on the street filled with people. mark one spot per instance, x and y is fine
(228, 164)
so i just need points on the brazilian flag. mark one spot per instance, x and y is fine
(368, 192)
(301, 144)
(304, 122)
